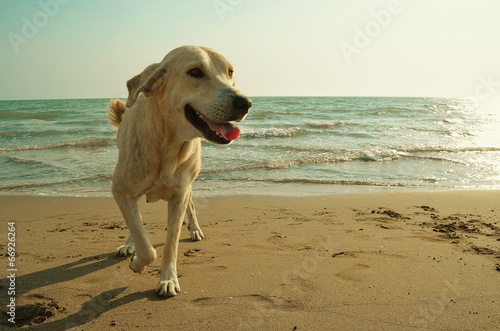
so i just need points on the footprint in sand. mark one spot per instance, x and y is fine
(249, 300)
(356, 273)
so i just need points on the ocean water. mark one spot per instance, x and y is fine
(287, 146)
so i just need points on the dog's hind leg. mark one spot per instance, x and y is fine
(144, 251)
(169, 284)
(192, 221)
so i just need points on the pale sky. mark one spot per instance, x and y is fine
(53, 49)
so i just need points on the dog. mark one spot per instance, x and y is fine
(171, 105)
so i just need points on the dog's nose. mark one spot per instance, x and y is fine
(242, 103)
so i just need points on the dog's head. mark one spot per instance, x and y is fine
(195, 87)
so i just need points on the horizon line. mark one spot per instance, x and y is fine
(264, 96)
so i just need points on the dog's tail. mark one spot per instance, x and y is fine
(116, 111)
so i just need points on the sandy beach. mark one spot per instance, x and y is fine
(385, 261)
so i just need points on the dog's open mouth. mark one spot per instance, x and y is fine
(218, 133)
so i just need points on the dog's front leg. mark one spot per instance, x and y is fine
(144, 251)
(169, 284)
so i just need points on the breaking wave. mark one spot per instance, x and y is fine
(79, 181)
(23, 161)
(331, 156)
(272, 133)
(326, 124)
(87, 143)
(326, 182)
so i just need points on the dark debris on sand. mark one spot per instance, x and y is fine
(36, 313)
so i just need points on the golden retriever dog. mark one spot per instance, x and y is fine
(189, 95)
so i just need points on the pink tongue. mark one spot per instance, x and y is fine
(227, 130)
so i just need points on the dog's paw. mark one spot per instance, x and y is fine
(168, 288)
(135, 266)
(139, 265)
(196, 235)
(125, 250)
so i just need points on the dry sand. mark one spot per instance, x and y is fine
(389, 261)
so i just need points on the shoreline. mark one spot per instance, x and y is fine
(393, 261)
(287, 190)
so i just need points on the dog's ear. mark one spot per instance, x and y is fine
(146, 82)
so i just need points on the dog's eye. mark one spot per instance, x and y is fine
(230, 72)
(197, 73)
